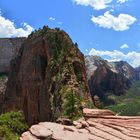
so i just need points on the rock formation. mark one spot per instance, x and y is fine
(47, 78)
(96, 125)
(127, 70)
(8, 49)
(109, 77)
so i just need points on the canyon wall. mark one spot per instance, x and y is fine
(8, 49)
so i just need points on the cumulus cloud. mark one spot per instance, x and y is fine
(115, 55)
(96, 4)
(120, 23)
(124, 46)
(8, 28)
(121, 1)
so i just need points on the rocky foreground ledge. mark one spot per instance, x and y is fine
(96, 125)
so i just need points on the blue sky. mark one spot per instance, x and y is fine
(109, 28)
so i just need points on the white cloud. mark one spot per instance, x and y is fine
(120, 23)
(121, 1)
(96, 4)
(8, 28)
(51, 18)
(115, 55)
(124, 46)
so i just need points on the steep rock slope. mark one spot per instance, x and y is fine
(8, 50)
(47, 78)
(127, 70)
(104, 80)
(104, 76)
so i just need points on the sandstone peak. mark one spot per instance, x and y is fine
(47, 77)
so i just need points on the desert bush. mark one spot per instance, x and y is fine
(12, 124)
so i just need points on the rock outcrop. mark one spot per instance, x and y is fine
(97, 125)
(9, 47)
(47, 78)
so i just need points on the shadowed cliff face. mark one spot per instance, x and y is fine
(48, 68)
(8, 50)
(104, 80)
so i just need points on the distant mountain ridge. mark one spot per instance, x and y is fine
(104, 77)
(93, 62)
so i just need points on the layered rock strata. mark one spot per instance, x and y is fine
(96, 125)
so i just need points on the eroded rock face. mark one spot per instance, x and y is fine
(48, 69)
(105, 80)
(9, 47)
(97, 125)
(127, 70)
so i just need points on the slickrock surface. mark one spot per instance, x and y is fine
(94, 128)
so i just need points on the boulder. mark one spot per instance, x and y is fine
(40, 131)
(64, 121)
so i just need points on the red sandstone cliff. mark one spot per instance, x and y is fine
(48, 70)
